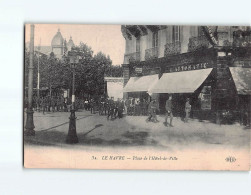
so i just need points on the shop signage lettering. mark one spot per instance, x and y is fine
(188, 67)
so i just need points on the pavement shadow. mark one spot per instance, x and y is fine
(57, 138)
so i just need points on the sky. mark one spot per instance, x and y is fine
(105, 38)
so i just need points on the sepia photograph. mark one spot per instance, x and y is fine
(136, 97)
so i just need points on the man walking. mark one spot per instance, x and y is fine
(169, 112)
(187, 110)
(152, 111)
(111, 108)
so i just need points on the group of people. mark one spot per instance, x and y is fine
(112, 108)
(50, 104)
(153, 107)
(105, 106)
(136, 106)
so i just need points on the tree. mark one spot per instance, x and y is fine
(90, 72)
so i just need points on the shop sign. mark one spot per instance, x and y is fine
(138, 70)
(189, 67)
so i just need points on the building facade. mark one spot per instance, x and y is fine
(209, 64)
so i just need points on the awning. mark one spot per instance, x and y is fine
(140, 84)
(242, 79)
(181, 82)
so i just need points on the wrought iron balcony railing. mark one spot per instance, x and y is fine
(151, 53)
(172, 48)
(199, 42)
(132, 57)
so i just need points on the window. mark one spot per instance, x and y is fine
(176, 34)
(155, 39)
(205, 98)
(200, 31)
(138, 44)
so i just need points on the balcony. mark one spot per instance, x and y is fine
(172, 48)
(132, 57)
(196, 43)
(151, 53)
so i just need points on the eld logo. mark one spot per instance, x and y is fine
(230, 159)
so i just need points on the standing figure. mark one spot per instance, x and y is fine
(92, 106)
(187, 110)
(43, 104)
(152, 111)
(106, 106)
(111, 108)
(120, 108)
(169, 112)
(126, 106)
(101, 106)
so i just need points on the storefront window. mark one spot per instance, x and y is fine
(205, 98)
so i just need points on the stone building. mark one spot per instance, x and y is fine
(58, 46)
(209, 64)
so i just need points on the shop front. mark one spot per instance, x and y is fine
(195, 85)
(139, 87)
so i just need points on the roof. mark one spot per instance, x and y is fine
(242, 79)
(44, 49)
(181, 82)
(57, 39)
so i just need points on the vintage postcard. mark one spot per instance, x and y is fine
(152, 97)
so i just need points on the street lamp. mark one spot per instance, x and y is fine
(72, 133)
(29, 120)
(38, 83)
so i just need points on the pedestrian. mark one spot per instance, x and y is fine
(92, 106)
(101, 106)
(43, 104)
(111, 108)
(65, 105)
(121, 108)
(153, 111)
(53, 104)
(169, 112)
(133, 107)
(106, 106)
(187, 110)
(126, 105)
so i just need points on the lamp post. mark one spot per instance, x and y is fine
(72, 137)
(38, 84)
(29, 119)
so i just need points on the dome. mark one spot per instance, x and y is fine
(57, 39)
(70, 44)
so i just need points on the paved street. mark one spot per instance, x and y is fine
(131, 131)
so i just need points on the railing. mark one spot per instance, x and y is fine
(199, 42)
(172, 48)
(132, 57)
(151, 53)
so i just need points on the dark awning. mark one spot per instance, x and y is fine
(242, 79)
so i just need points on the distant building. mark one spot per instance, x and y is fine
(58, 46)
